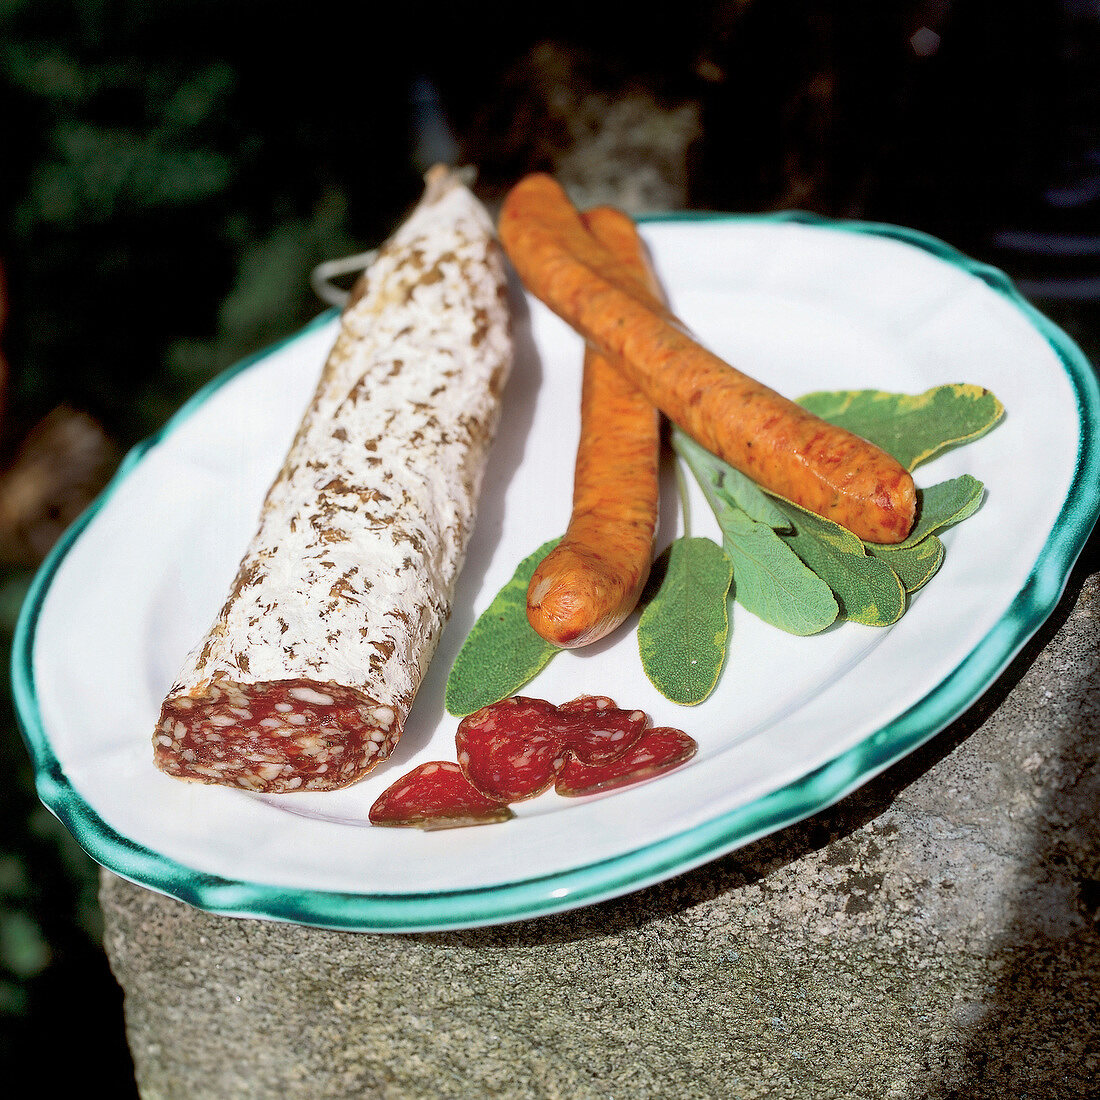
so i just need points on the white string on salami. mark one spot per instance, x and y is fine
(322, 276)
(309, 670)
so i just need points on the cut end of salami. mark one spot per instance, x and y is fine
(274, 736)
(436, 795)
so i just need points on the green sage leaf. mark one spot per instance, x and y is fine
(769, 579)
(912, 427)
(503, 651)
(867, 588)
(915, 565)
(717, 477)
(772, 581)
(684, 627)
(944, 504)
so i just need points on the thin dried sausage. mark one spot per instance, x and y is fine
(591, 581)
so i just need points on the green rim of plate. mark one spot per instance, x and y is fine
(590, 883)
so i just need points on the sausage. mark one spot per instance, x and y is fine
(777, 443)
(307, 674)
(591, 581)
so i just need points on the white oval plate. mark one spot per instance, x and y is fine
(794, 724)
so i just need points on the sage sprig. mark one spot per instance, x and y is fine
(913, 427)
(769, 579)
(866, 588)
(869, 584)
(914, 565)
(791, 567)
(724, 486)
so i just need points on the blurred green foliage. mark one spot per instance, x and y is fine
(172, 172)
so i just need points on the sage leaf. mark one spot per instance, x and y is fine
(503, 651)
(769, 579)
(915, 565)
(718, 478)
(684, 628)
(867, 588)
(912, 427)
(943, 504)
(772, 581)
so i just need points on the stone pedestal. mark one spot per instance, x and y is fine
(932, 936)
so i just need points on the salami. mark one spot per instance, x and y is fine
(595, 730)
(514, 749)
(306, 677)
(511, 750)
(657, 751)
(436, 795)
(517, 748)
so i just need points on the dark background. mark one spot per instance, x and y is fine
(170, 173)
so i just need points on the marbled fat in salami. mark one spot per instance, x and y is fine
(310, 668)
(595, 730)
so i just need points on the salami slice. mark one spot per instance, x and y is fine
(309, 670)
(596, 731)
(511, 750)
(657, 751)
(436, 795)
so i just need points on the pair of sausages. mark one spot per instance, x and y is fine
(590, 269)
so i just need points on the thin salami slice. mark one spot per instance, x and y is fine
(436, 795)
(511, 750)
(596, 731)
(657, 751)
(586, 704)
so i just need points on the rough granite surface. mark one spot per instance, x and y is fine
(932, 936)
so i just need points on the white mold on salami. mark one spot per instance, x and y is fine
(342, 594)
